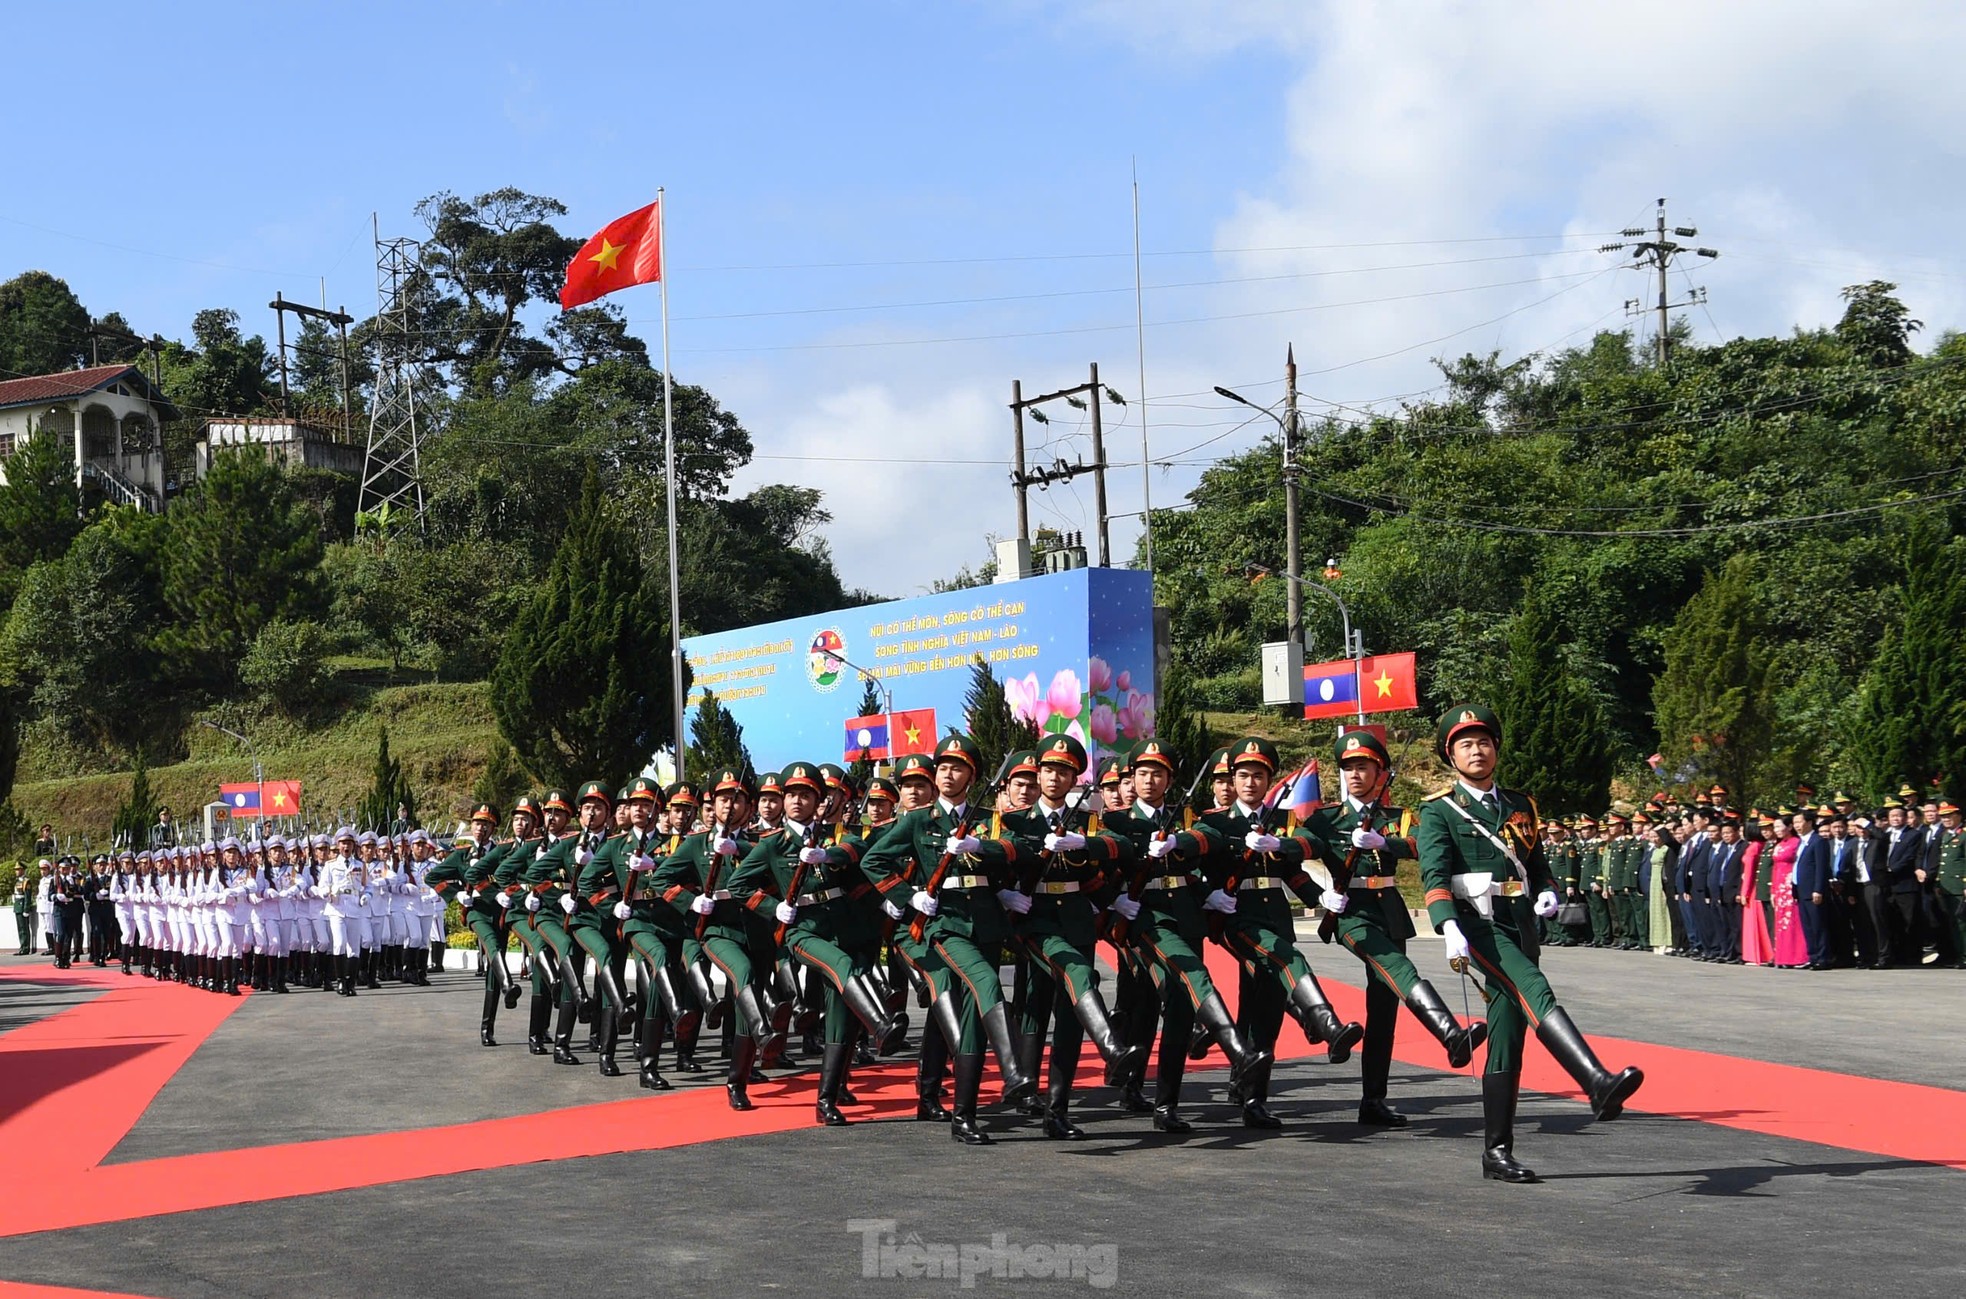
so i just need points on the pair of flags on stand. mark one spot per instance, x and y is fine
(243, 801)
(889, 735)
(1383, 683)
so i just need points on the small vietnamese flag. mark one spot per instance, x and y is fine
(628, 251)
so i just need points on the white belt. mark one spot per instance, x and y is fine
(1058, 886)
(814, 899)
(720, 895)
(1256, 882)
(1166, 882)
(1376, 882)
(965, 881)
(1479, 890)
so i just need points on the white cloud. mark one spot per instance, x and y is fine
(1815, 144)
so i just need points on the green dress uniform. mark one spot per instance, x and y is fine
(24, 911)
(447, 877)
(828, 934)
(654, 931)
(1059, 934)
(1949, 893)
(965, 933)
(725, 937)
(1169, 931)
(1375, 927)
(1481, 863)
(1597, 891)
(600, 891)
(546, 876)
(1566, 864)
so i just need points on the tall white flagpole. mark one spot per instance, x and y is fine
(669, 470)
(1140, 343)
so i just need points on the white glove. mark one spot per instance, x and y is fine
(102, 895)
(1014, 901)
(1220, 901)
(1258, 841)
(893, 912)
(532, 901)
(704, 905)
(467, 897)
(813, 856)
(504, 900)
(1070, 841)
(365, 899)
(643, 864)
(1126, 906)
(1333, 901)
(926, 903)
(1457, 943)
(1546, 903)
(1159, 848)
(786, 913)
(727, 847)
(1364, 838)
(622, 911)
(567, 903)
(962, 845)
(581, 856)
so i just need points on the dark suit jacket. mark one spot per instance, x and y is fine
(1812, 863)
(1727, 869)
(1904, 857)
(1929, 847)
(1694, 861)
(1877, 851)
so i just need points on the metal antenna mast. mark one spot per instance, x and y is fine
(392, 473)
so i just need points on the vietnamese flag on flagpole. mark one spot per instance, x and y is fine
(627, 251)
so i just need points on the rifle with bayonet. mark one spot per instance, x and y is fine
(1165, 822)
(979, 801)
(1341, 878)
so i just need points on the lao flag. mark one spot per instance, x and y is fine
(240, 800)
(867, 738)
(1301, 792)
(1331, 689)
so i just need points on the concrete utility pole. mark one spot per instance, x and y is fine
(1295, 597)
(340, 319)
(1657, 254)
(1023, 479)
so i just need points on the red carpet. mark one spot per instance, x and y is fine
(72, 1085)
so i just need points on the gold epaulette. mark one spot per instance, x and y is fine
(1438, 793)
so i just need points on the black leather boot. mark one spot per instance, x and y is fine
(1256, 1096)
(1017, 1085)
(864, 1001)
(1214, 1016)
(1607, 1091)
(1321, 1024)
(1058, 1124)
(1373, 1112)
(939, 1042)
(969, 1080)
(1167, 1087)
(1498, 1095)
(743, 1053)
(1091, 1010)
(538, 1014)
(563, 1023)
(832, 1075)
(1429, 1009)
(610, 1038)
(488, 1015)
(1030, 1049)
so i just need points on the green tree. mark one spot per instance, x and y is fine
(43, 326)
(986, 712)
(221, 372)
(1714, 698)
(287, 667)
(1913, 707)
(1876, 326)
(241, 553)
(1558, 749)
(502, 780)
(40, 507)
(131, 824)
(389, 788)
(582, 686)
(715, 738)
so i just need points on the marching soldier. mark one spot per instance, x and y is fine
(963, 920)
(656, 928)
(1070, 856)
(914, 780)
(804, 885)
(1363, 839)
(596, 905)
(1164, 919)
(1481, 859)
(1250, 873)
(521, 909)
(549, 882)
(451, 878)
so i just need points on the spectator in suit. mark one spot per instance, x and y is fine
(1905, 847)
(1840, 906)
(1728, 857)
(1931, 842)
(1872, 902)
(1812, 886)
(1691, 886)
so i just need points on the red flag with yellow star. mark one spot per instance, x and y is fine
(628, 251)
(1386, 683)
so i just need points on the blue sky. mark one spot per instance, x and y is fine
(1375, 184)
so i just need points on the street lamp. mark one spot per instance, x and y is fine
(259, 773)
(1294, 602)
(1354, 642)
